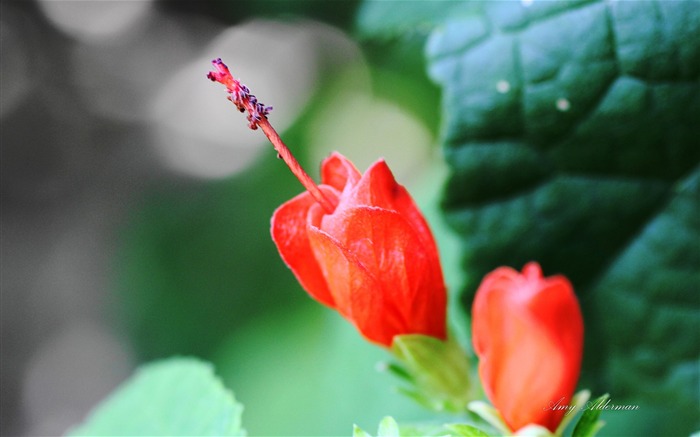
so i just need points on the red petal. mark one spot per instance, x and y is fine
(393, 266)
(289, 232)
(528, 334)
(378, 187)
(353, 288)
(338, 172)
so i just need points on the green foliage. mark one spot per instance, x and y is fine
(587, 426)
(178, 396)
(571, 131)
(491, 423)
(389, 428)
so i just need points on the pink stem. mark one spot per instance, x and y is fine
(294, 166)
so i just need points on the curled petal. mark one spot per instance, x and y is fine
(289, 232)
(338, 172)
(349, 282)
(378, 187)
(409, 282)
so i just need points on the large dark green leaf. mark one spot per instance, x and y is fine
(572, 132)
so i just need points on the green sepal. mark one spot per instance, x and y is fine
(359, 432)
(388, 428)
(578, 402)
(423, 430)
(490, 415)
(417, 396)
(438, 371)
(400, 372)
(588, 425)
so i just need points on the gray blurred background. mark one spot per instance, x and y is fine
(136, 204)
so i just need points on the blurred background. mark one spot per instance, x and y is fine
(136, 203)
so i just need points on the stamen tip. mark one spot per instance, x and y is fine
(239, 94)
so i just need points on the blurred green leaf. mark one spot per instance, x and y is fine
(571, 131)
(464, 430)
(314, 371)
(390, 19)
(178, 396)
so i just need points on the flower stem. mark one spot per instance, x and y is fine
(294, 166)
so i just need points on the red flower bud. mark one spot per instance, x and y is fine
(372, 256)
(528, 335)
(357, 243)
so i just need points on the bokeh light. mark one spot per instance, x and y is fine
(198, 132)
(18, 38)
(71, 371)
(360, 124)
(96, 20)
(118, 78)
